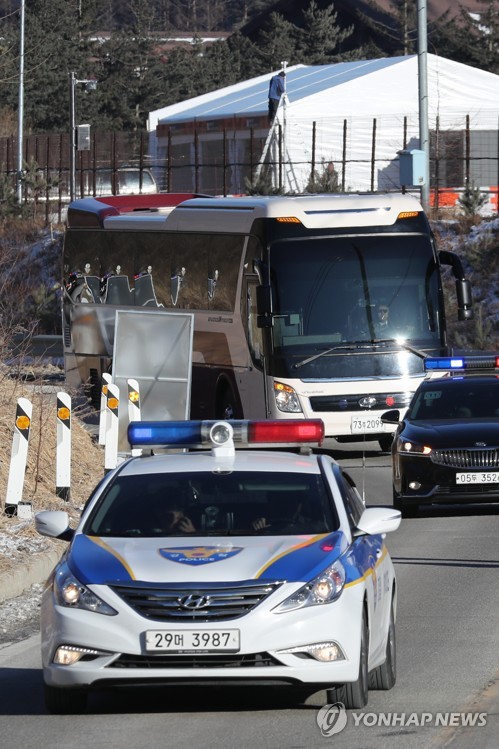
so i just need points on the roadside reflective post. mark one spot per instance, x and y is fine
(19, 457)
(112, 428)
(63, 455)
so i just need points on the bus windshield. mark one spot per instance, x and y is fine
(335, 291)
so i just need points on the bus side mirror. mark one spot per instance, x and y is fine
(264, 306)
(464, 299)
(463, 286)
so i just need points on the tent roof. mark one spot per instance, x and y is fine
(342, 89)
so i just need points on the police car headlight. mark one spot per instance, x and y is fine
(70, 592)
(412, 448)
(324, 588)
(286, 398)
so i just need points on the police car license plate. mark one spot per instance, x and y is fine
(363, 423)
(479, 477)
(192, 641)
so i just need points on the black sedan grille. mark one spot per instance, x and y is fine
(171, 603)
(340, 403)
(220, 660)
(474, 458)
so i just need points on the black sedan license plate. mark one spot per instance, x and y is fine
(478, 477)
(193, 641)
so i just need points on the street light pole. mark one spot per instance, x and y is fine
(90, 85)
(72, 147)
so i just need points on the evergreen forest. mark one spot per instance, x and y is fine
(137, 72)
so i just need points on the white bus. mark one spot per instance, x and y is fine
(309, 306)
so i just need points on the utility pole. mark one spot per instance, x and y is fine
(20, 111)
(424, 135)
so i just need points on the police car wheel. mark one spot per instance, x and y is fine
(64, 701)
(354, 695)
(385, 676)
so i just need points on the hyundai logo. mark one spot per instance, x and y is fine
(193, 602)
(368, 402)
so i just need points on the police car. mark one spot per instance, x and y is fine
(220, 564)
(446, 448)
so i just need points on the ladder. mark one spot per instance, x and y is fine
(272, 145)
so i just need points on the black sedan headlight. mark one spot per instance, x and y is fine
(412, 448)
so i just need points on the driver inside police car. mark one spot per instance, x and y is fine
(177, 521)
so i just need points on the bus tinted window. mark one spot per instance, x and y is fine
(186, 271)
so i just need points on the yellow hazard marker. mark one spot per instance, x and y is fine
(63, 455)
(22, 426)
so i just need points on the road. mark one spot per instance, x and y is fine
(447, 563)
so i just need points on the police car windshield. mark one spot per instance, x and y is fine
(201, 504)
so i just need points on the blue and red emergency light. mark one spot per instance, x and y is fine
(286, 432)
(459, 363)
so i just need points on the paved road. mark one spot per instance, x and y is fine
(447, 565)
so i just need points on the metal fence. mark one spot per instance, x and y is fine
(227, 161)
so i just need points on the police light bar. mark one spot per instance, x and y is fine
(288, 432)
(449, 363)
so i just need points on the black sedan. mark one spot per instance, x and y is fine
(446, 449)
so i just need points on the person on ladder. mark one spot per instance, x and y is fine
(276, 89)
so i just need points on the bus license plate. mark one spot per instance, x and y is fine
(482, 477)
(192, 641)
(366, 423)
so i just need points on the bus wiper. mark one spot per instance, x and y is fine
(400, 342)
(356, 345)
(349, 347)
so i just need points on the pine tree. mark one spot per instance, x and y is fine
(321, 37)
(399, 27)
(471, 40)
(276, 43)
(129, 74)
(55, 44)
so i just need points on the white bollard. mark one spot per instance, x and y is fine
(63, 456)
(13, 502)
(106, 379)
(134, 407)
(112, 427)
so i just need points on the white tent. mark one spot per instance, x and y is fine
(365, 112)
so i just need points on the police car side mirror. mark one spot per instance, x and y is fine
(378, 520)
(54, 524)
(391, 417)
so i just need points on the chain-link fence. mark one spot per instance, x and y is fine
(215, 159)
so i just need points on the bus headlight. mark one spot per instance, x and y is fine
(286, 398)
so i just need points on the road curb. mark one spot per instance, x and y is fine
(36, 570)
